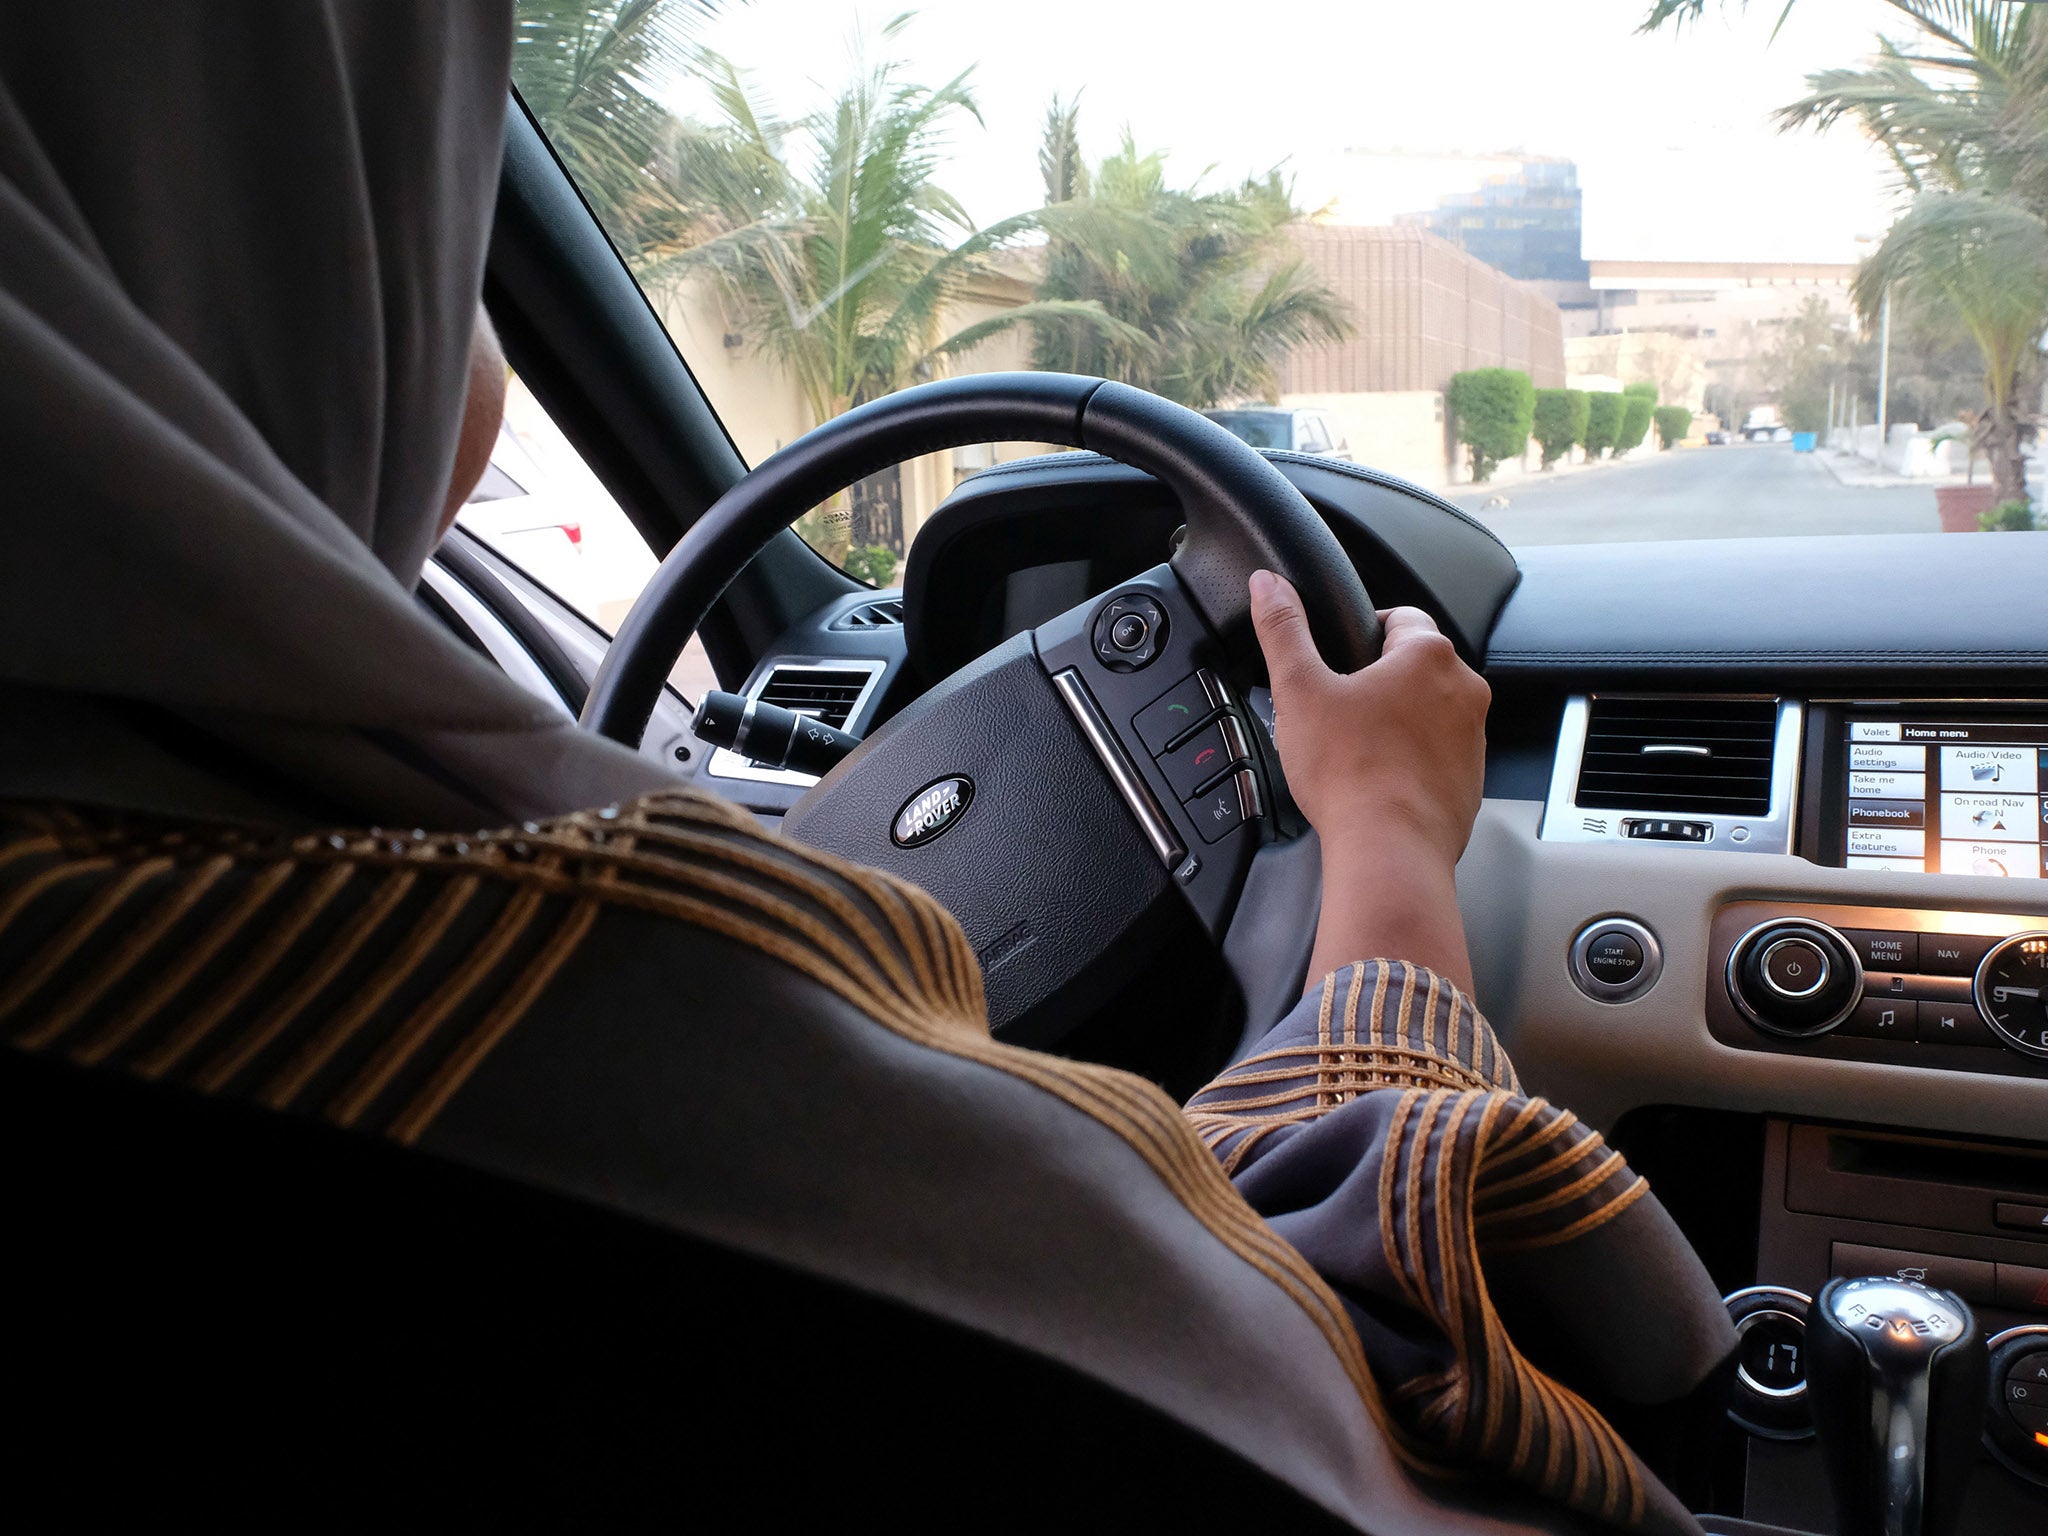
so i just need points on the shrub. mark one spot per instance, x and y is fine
(874, 564)
(1559, 421)
(1673, 422)
(1635, 420)
(1603, 423)
(1639, 391)
(1495, 408)
(2007, 517)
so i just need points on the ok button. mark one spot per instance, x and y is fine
(1795, 968)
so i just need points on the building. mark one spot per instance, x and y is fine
(1423, 310)
(1525, 222)
(1727, 314)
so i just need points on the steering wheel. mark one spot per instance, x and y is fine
(1054, 792)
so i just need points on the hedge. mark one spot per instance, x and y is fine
(1673, 422)
(1560, 421)
(1603, 423)
(1635, 420)
(1495, 408)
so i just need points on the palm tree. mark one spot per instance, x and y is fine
(1945, 105)
(1981, 261)
(833, 246)
(1203, 282)
(586, 70)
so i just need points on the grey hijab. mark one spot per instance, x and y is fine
(241, 244)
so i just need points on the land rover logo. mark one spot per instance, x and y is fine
(931, 810)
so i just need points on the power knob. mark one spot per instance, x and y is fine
(1797, 979)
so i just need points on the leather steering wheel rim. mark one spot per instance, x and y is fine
(1241, 513)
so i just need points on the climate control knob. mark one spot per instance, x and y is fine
(1794, 978)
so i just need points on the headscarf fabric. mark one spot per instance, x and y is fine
(241, 246)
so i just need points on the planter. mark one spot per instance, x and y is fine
(1959, 506)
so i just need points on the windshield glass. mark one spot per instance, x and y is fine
(1618, 270)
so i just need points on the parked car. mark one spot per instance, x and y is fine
(1719, 438)
(1299, 431)
(514, 510)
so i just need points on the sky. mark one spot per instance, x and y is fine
(1670, 132)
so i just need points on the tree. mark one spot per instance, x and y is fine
(1810, 349)
(1558, 422)
(1984, 262)
(1494, 409)
(1206, 292)
(1603, 422)
(1673, 422)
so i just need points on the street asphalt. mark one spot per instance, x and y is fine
(1738, 491)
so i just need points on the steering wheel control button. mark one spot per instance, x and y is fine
(1884, 951)
(1129, 631)
(1187, 704)
(1218, 812)
(1795, 967)
(1197, 762)
(1615, 959)
(1801, 979)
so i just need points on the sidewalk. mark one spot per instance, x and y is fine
(1516, 474)
(1859, 473)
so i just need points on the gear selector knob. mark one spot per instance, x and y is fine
(1895, 1371)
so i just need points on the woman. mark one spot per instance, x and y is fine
(240, 254)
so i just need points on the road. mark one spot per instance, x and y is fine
(1740, 491)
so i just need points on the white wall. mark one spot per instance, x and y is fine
(1398, 431)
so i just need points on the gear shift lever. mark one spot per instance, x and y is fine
(1896, 1374)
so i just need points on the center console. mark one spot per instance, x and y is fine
(1914, 936)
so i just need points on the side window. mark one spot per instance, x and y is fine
(1313, 438)
(540, 507)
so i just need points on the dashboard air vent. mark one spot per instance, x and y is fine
(826, 693)
(887, 613)
(1679, 754)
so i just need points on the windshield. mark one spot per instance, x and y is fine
(1605, 271)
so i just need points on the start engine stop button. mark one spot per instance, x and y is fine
(1615, 959)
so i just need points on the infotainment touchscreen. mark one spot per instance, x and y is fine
(1949, 797)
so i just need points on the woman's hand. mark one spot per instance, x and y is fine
(1388, 764)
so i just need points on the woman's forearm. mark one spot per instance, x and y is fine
(1390, 896)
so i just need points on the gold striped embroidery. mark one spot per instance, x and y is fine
(180, 975)
(353, 936)
(51, 960)
(239, 987)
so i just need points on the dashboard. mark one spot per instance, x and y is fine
(1758, 887)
